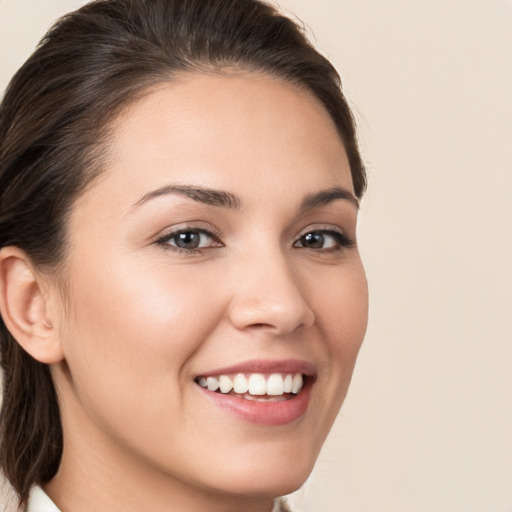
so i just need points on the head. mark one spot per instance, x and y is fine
(145, 108)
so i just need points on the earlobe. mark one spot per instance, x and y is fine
(25, 307)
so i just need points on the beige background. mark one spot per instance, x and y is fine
(427, 425)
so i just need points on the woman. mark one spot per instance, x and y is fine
(182, 297)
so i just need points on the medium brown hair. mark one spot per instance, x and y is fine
(54, 118)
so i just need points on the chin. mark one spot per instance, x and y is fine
(269, 476)
(266, 485)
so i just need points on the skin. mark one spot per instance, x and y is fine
(144, 319)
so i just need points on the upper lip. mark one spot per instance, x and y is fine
(267, 366)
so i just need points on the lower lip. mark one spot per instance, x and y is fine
(263, 413)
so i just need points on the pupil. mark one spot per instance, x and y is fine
(188, 240)
(314, 240)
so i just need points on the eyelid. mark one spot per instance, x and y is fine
(193, 225)
(210, 230)
(345, 240)
(324, 228)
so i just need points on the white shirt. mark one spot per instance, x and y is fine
(39, 501)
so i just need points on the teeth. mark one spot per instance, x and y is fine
(256, 385)
(241, 384)
(212, 383)
(275, 385)
(288, 384)
(296, 383)
(225, 384)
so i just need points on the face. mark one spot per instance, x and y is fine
(218, 248)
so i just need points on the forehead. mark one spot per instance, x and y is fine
(233, 131)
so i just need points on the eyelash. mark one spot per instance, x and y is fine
(341, 240)
(164, 240)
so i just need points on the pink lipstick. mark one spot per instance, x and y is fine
(262, 392)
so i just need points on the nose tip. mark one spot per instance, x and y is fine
(274, 302)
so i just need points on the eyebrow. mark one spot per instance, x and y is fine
(201, 194)
(325, 197)
(225, 199)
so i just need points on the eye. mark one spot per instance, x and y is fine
(189, 240)
(324, 239)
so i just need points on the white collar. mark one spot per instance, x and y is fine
(39, 501)
(277, 506)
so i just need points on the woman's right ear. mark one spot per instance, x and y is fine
(26, 307)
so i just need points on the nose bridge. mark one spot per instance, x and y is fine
(268, 294)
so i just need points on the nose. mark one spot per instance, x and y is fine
(269, 295)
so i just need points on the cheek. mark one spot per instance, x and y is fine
(134, 329)
(342, 316)
(342, 310)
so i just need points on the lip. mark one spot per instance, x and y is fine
(264, 413)
(265, 366)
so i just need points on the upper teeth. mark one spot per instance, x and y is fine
(255, 383)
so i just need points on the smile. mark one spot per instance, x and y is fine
(261, 392)
(255, 386)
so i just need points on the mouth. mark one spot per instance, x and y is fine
(257, 387)
(265, 393)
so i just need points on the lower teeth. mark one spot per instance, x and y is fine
(265, 398)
